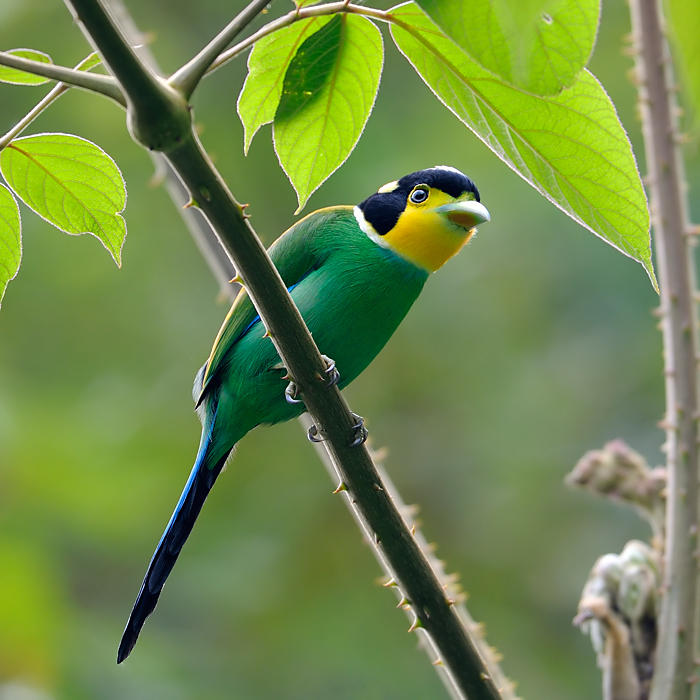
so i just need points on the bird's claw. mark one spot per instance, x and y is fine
(332, 375)
(360, 433)
(314, 435)
(291, 393)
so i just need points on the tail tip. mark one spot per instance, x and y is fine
(125, 648)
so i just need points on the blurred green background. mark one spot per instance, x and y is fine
(533, 346)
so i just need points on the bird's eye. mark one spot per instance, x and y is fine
(419, 195)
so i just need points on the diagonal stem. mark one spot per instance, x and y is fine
(186, 78)
(294, 16)
(103, 84)
(181, 146)
(434, 612)
(40, 106)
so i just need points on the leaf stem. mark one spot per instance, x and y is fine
(103, 84)
(186, 78)
(28, 118)
(675, 667)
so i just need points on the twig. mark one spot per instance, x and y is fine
(40, 106)
(103, 84)
(295, 16)
(187, 78)
(675, 666)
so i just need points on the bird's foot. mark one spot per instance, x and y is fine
(359, 433)
(331, 374)
(314, 435)
(291, 393)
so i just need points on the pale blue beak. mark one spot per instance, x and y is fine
(466, 214)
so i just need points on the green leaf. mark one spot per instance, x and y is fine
(10, 239)
(685, 29)
(537, 45)
(70, 182)
(20, 77)
(267, 66)
(570, 147)
(328, 94)
(89, 62)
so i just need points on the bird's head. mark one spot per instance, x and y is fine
(425, 217)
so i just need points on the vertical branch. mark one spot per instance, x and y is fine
(675, 668)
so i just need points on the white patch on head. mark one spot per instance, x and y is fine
(449, 168)
(368, 228)
(389, 187)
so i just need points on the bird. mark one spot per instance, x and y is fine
(353, 273)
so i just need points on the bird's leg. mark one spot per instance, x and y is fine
(332, 376)
(359, 431)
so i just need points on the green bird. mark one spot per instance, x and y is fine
(353, 273)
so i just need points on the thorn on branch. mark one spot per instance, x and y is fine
(380, 454)
(498, 657)
(416, 624)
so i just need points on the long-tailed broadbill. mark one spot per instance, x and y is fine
(353, 273)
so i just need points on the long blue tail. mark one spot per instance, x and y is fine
(196, 490)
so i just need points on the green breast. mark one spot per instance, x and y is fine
(356, 299)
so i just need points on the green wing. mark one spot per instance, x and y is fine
(298, 251)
